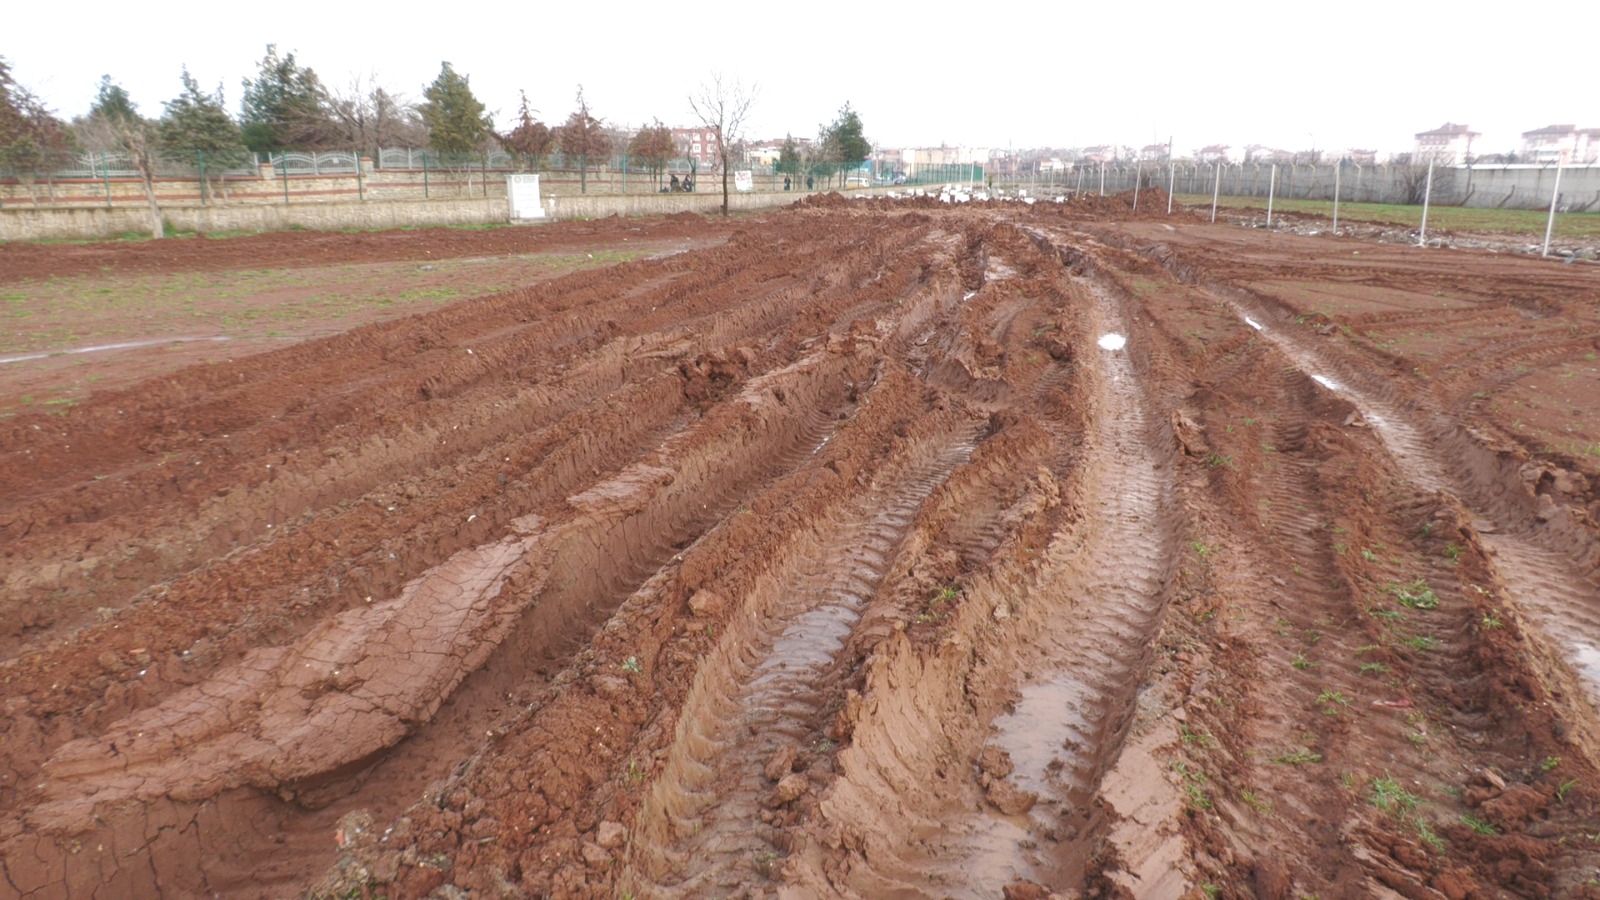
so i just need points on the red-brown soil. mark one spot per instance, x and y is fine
(839, 554)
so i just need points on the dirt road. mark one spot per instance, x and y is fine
(865, 548)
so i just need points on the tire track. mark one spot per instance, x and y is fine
(699, 828)
(1557, 588)
(1067, 727)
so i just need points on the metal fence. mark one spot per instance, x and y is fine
(1506, 186)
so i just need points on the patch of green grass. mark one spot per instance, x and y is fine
(1332, 702)
(1389, 796)
(1428, 837)
(1421, 642)
(1478, 825)
(1450, 218)
(1297, 757)
(1254, 802)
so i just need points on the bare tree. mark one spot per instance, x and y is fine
(369, 117)
(723, 106)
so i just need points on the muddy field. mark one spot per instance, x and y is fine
(860, 549)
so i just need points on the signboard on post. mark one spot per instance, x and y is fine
(742, 180)
(522, 192)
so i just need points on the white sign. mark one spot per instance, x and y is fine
(742, 180)
(522, 191)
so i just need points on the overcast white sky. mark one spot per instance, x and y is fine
(1294, 76)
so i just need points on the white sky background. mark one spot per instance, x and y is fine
(1292, 76)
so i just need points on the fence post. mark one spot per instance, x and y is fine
(1550, 223)
(283, 163)
(1427, 196)
(105, 172)
(1337, 167)
(1272, 190)
(1216, 192)
(200, 163)
(424, 174)
(361, 191)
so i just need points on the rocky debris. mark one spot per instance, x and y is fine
(995, 762)
(791, 788)
(611, 835)
(1008, 798)
(781, 764)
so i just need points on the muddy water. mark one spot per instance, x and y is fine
(1564, 604)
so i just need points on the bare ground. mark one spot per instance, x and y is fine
(838, 554)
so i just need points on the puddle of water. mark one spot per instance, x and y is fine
(1112, 341)
(123, 345)
(968, 296)
(1327, 382)
(1252, 323)
(1588, 660)
(1045, 723)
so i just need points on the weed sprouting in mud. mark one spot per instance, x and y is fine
(1389, 796)
(1415, 594)
(1297, 757)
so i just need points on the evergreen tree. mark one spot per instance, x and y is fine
(455, 118)
(32, 138)
(197, 122)
(112, 103)
(285, 107)
(850, 146)
(789, 157)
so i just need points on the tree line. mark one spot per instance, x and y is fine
(288, 106)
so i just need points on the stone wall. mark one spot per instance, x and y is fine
(100, 222)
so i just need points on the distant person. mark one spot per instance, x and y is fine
(786, 182)
(810, 182)
(676, 187)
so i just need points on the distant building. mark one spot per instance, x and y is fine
(762, 153)
(1449, 143)
(1561, 143)
(1261, 154)
(699, 144)
(1154, 152)
(1216, 154)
